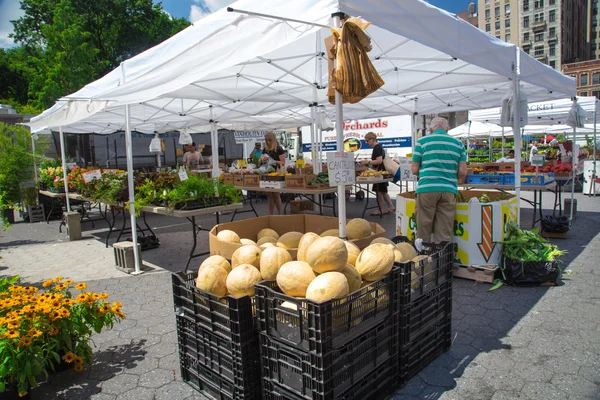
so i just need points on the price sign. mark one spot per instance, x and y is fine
(538, 160)
(183, 174)
(406, 172)
(90, 176)
(241, 163)
(299, 163)
(340, 168)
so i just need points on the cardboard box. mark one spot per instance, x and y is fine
(227, 179)
(249, 228)
(295, 181)
(251, 180)
(238, 180)
(297, 206)
(471, 221)
(272, 184)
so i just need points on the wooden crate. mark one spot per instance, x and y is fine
(475, 274)
(555, 235)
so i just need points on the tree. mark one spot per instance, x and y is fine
(13, 85)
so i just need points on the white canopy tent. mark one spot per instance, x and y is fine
(249, 70)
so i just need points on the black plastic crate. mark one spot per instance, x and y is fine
(378, 384)
(421, 352)
(237, 362)
(230, 317)
(425, 313)
(429, 273)
(322, 327)
(314, 376)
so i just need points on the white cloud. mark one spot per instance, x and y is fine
(206, 7)
(197, 13)
(9, 10)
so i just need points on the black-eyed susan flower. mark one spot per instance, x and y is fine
(69, 282)
(22, 394)
(69, 357)
(78, 367)
(57, 279)
(25, 341)
(11, 334)
(47, 283)
(78, 360)
(81, 286)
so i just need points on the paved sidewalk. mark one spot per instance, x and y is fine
(513, 343)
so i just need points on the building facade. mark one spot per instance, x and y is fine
(587, 74)
(500, 18)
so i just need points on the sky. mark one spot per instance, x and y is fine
(192, 10)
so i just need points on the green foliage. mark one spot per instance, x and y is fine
(522, 245)
(109, 189)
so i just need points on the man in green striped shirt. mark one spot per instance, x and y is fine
(439, 161)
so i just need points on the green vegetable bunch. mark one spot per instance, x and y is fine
(522, 245)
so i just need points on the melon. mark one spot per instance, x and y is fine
(217, 260)
(327, 254)
(408, 252)
(353, 277)
(266, 246)
(294, 277)
(267, 232)
(327, 286)
(305, 242)
(266, 239)
(241, 280)
(427, 268)
(289, 240)
(228, 236)
(247, 241)
(415, 282)
(358, 228)
(271, 260)
(212, 279)
(331, 232)
(382, 240)
(375, 261)
(288, 305)
(249, 254)
(353, 252)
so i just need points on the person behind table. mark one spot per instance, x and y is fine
(439, 161)
(256, 154)
(534, 149)
(472, 145)
(191, 158)
(509, 158)
(276, 153)
(376, 160)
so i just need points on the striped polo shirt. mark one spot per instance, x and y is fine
(439, 155)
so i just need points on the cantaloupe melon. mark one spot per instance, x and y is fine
(415, 282)
(375, 261)
(289, 240)
(217, 260)
(327, 254)
(271, 260)
(353, 252)
(212, 278)
(327, 286)
(267, 232)
(305, 242)
(331, 232)
(228, 236)
(266, 246)
(247, 242)
(249, 254)
(408, 252)
(353, 277)
(294, 277)
(241, 280)
(382, 240)
(358, 228)
(266, 239)
(424, 263)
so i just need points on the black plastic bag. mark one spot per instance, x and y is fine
(556, 224)
(530, 273)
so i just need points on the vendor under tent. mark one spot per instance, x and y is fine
(263, 64)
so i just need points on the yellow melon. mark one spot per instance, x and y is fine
(217, 260)
(331, 232)
(427, 267)
(266, 239)
(353, 277)
(305, 242)
(228, 236)
(249, 254)
(375, 261)
(241, 280)
(415, 283)
(382, 240)
(266, 246)
(271, 260)
(248, 241)
(289, 240)
(327, 254)
(408, 252)
(267, 232)
(358, 228)
(211, 278)
(353, 252)
(294, 277)
(327, 286)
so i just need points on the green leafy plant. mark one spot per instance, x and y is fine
(523, 245)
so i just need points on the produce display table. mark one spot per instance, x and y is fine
(359, 186)
(306, 193)
(536, 189)
(191, 215)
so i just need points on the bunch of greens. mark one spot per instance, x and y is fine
(321, 178)
(522, 245)
(111, 188)
(202, 190)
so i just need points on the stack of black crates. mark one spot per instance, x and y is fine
(218, 341)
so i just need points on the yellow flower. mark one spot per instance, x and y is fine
(119, 313)
(78, 367)
(14, 324)
(53, 331)
(55, 303)
(82, 298)
(46, 309)
(78, 360)
(11, 334)
(22, 394)
(97, 296)
(116, 304)
(69, 357)
(60, 286)
(47, 283)
(81, 286)
(25, 341)
(64, 312)
(33, 332)
(54, 316)
(69, 282)
(68, 302)
(104, 308)
(104, 295)
(32, 289)
(58, 279)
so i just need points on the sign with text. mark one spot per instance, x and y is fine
(538, 160)
(340, 168)
(90, 176)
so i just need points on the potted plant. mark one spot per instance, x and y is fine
(41, 329)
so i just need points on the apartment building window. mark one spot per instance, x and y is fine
(583, 93)
(507, 38)
(552, 16)
(497, 25)
(487, 1)
(539, 51)
(526, 37)
(507, 23)
(487, 13)
(526, 49)
(487, 27)
(583, 79)
(595, 11)
(552, 49)
(539, 37)
(525, 5)
(596, 78)
(526, 22)
(552, 2)
(538, 17)
(497, 11)
(596, 93)
(507, 9)
(551, 32)
(553, 64)
(539, 4)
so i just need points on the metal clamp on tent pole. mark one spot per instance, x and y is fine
(252, 13)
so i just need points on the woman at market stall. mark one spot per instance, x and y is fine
(273, 155)
(381, 189)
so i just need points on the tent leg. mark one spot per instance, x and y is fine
(573, 163)
(214, 145)
(64, 166)
(131, 187)
(339, 135)
(517, 132)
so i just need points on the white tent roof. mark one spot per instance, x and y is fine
(257, 71)
(476, 129)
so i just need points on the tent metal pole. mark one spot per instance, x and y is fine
(64, 166)
(214, 144)
(517, 130)
(313, 150)
(468, 139)
(573, 164)
(131, 187)
(339, 135)
(594, 152)
(502, 142)
(230, 9)
(35, 174)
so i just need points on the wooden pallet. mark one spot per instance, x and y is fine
(36, 213)
(555, 235)
(475, 274)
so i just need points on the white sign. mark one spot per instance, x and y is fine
(90, 176)
(538, 160)
(340, 168)
(183, 174)
(249, 136)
